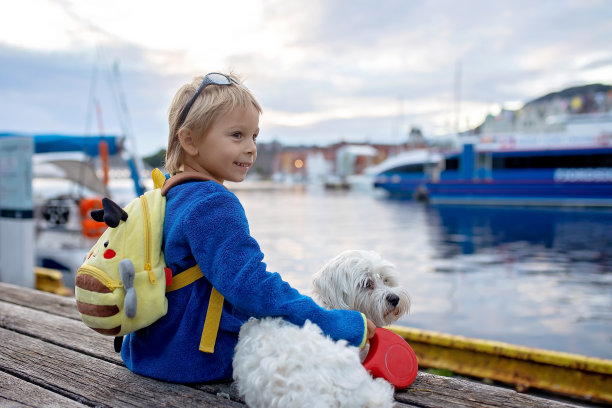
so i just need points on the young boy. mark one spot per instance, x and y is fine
(214, 122)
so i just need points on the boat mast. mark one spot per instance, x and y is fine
(93, 105)
(113, 77)
(134, 162)
(457, 104)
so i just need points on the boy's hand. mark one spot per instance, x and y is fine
(371, 329)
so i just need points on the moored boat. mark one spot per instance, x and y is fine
(408, 173)
(69, 175)
(570, 166)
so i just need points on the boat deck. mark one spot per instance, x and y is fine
(50, 358)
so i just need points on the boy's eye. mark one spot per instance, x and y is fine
(237, 135)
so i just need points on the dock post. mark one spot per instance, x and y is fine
(16, 211)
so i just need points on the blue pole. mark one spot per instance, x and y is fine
(138, 188)
(467, 165)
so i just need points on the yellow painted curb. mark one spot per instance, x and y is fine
(564, 373)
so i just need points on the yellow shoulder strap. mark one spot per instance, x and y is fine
(213, 313)
(158, 178)
(211, 324)
(180, 280)
(185, 278)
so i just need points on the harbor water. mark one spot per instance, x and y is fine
(537, 277)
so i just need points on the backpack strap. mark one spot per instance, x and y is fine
(213, 313)
(215, 303)
(181, 178)
(185, 278)
(211, 324)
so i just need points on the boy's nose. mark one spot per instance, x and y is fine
(252, 147)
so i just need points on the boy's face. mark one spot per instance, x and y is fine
(228, 150)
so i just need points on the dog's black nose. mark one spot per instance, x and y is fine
(393, 299)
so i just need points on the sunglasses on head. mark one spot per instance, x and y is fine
(213, 78)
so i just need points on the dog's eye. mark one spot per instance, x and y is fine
(369, 284)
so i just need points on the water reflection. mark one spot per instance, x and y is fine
(531, 241)
(536, 277)
(542, 277)
(581, 235)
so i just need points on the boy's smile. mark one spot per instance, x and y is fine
(246, 165)
(227, 150)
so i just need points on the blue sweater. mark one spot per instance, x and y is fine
(205, 224)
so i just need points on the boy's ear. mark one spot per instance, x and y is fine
(188, 142)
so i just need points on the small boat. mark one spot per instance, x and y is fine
(570, 166)
(408, 173)
(69, 176)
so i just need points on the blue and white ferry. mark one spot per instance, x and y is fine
(569, 166)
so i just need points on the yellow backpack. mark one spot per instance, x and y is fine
(121, 287)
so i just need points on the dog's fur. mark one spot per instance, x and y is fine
(277, 364)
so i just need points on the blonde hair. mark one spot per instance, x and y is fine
(212, 102)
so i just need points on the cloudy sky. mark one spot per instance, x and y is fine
(323, 70)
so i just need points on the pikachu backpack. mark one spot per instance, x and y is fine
(121, 287)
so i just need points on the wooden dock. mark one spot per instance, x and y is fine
(50, 358)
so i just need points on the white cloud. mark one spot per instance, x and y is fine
(316, 66)
(38, 25)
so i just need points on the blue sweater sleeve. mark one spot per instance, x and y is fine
(218, 235)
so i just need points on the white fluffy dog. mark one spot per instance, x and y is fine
(278, 364)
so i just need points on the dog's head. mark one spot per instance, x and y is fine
(363, 281)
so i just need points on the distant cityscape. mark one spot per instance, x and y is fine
(300, 163)
(544, 113)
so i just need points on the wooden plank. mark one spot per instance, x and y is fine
(76, 336)
(91, 381)
(16, 392)
(431, 391)
(59, 330)
(39, 300)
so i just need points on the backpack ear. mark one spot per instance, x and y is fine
(112, 213)
(97, 215)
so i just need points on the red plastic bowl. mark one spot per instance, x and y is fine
(391, 357)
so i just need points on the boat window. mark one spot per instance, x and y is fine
(452, 164)
(548, 162)
(409, 168)
(483, 160)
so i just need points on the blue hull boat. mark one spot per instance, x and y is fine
(557, 168)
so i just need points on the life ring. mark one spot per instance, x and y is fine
(89, 227)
